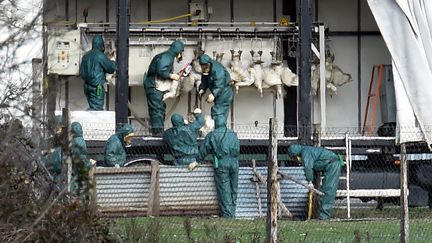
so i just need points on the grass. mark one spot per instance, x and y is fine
(183, 229)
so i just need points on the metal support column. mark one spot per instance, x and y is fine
(404, 233)
(122, 84)
(289, 8)
(322, 95)
(304, 99)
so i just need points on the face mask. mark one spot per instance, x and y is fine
(205, 69)
(179, 57)
(59, 130)
(128, 139)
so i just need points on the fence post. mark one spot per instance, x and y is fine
(66, 159)
(404, 236)
(272, 203)
(153, 200)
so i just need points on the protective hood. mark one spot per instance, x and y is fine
(177, 120)
(294, 149)
(205, 59)
(220, 121)
(98, 43)
(58, 121)
(124, 130)
(177, 47)
(76, 130)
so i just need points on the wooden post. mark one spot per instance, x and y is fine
(66, 159)
(36, 108)
(153, 200)
(272, 185)
(404, 236)
(93, 191)
(258, 192)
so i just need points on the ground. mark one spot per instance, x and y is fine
(376, 228)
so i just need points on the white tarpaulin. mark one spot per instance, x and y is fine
(406, 26)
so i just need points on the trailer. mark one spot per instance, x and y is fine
(334, 121)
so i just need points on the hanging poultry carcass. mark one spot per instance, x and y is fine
(256, 72)
(334, 76)
(272, 77)
(169, 86)
(288, 77)
(192, 79)
(257, 76)
(209, 125)
(239, 76)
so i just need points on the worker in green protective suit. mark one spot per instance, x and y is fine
(78, 148)
(81, 164)
(182, 138)
(53, 158)
(224, 146)
(216, 78)
(161, 68)
(115, 148)
(94, 65)
(318, 159)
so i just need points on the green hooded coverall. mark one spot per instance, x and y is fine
(94, 65)
(219, 83)
(53, 160)
(182, 139)
(80, 161)
(115, 150)
(318, 159)
(161, 67)
(224, 146)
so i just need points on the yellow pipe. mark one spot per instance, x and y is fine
(310, 205)
(166, 20)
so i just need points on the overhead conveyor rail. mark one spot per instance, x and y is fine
(219, 29)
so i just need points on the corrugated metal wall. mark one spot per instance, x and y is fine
(187, 193)
(119, 190)
(193, 193)
(294, 197)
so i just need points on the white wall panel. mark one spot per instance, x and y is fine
(55, 11)
(77, 99)
(139, 11)
(161, 9)
(338, 15)
(342, 108)
(367, 20)
(247, 11)
(221, 10)
(96, 11)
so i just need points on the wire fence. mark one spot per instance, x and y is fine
(184, 204)
(149, 199)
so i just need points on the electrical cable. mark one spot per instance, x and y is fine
(166, 19)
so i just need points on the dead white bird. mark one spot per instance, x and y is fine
(110, 78)
(272, 77)
(338, 77)
(218, 56)
(334, 76)
(257, 75)
(208, 125)
(192, 79)
(288, 77)
(172, 86)
(239, 76)
(256, 72)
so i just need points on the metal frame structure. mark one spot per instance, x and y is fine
(220, 30)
